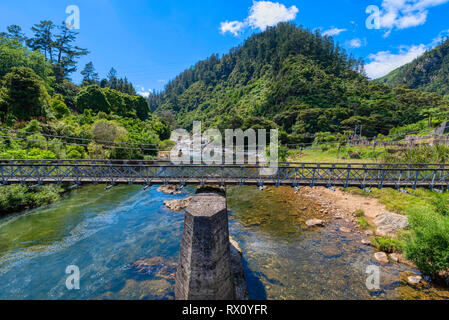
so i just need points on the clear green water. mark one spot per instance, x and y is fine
(105, 232)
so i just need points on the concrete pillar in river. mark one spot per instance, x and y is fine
(204, 269)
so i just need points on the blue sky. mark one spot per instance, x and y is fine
(151, 42)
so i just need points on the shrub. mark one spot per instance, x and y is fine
(428, 246)
(46, 195)
(359, 213)
(12, 197)
(59, 108)
(387, 244)
(364, 224)
(75, 152)
(166, 144)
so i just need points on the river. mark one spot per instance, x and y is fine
(104, 233)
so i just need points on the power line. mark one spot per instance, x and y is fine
(80, 144)
(76, 138)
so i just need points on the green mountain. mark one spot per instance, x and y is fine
(430, 72)
(290, 78)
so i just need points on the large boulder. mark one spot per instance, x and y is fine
(388, 224)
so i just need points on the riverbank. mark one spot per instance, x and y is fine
(17, 198)
(382, 220)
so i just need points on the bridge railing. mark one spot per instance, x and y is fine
(151, 172)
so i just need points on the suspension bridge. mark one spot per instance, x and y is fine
(147, 173)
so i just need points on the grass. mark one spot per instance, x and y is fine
(332, 155)
(387, 244)
(364, 224)
(359, 213)
(426, 243)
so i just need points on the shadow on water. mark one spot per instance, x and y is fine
(256, 288)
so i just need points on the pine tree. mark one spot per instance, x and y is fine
(14, 35)
(43, 39)
(89, 74)
(66, 52)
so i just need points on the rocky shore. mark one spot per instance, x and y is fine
(337, 204)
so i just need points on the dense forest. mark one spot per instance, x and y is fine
(429, 73)
(43, 114)
(295, 80)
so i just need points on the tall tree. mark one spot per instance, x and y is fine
(14, 35)
(66, 52)
(43, 39)
(112, 78)
(25, 94)
(89, 74)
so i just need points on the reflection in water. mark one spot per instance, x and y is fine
(126, 244)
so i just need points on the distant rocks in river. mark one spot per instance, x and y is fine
(178, 204)
(169, 189)
(315, 223)
(381, 257)
(157, 267)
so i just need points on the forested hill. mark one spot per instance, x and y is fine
(430, 72)
(290, 78)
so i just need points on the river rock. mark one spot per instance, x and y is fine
(381, 257)
(177, 205)
(395, 257)
(315, 223)
(366, 242)
(345, 230)
(414, 280)
(169, 189)
(388, 224)
(156, 267)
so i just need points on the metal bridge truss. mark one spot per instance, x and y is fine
(38, 172)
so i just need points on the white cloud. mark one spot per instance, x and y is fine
(355, 43)
(384, 62)
(403, 14)
(144, 93)
(234, 27)
(333, 32)
(262, 14)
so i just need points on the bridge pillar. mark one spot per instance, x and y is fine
(204, 269)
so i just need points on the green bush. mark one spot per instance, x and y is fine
(45, 195)
(387, 244)
(13, 197)
(17, 197)
(359, 213)
(364, 224)
(59, 108)
(428, 246)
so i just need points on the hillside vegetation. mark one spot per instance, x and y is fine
(430, 72)
(290, 78)
(43, 115)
